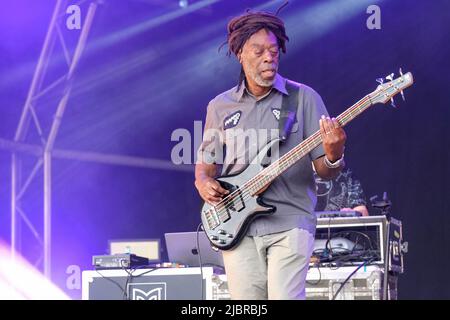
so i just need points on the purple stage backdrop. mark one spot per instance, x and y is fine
(150, 68)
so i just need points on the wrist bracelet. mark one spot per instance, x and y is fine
(333, 165)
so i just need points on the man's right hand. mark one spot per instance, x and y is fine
(210, 190)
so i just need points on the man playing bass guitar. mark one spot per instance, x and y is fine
(271, 260)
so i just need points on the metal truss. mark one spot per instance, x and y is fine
(45, 151)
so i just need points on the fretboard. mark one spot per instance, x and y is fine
(275, 169)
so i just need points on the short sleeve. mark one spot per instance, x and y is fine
(211, 148)
(313, 109)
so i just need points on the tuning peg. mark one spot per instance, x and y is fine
(380, 80)
(393, 103)
(390, 77)
(401, 91)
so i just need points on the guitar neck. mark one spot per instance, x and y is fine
(274, 170)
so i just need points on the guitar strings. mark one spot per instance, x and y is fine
(299, 151)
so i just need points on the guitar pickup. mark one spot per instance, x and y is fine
(234, 205)
(224, 215)
(237, 203)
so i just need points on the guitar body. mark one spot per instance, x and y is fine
(235, 220)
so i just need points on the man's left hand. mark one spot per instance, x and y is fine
(333, 138)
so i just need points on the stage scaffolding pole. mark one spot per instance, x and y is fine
(45, 152)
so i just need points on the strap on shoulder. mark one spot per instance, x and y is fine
(288, 111)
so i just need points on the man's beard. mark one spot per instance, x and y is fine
(261, 82)
(255, 76)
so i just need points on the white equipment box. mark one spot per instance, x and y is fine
(154, 284)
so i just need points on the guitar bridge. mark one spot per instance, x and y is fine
(212, 218)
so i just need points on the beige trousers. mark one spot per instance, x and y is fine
(272, 266)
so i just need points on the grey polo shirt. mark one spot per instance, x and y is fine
(237, 114)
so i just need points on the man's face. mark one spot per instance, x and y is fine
(260, 57)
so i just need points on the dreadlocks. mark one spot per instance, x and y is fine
(241, 28)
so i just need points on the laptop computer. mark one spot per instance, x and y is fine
(182, 248)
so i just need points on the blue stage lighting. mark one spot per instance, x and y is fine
(183, 3)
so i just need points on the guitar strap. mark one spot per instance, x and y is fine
(288, 111)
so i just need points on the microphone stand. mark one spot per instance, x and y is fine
(385, 205)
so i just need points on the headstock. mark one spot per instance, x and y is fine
(387, 90)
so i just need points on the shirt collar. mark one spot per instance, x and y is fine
(279, 84)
